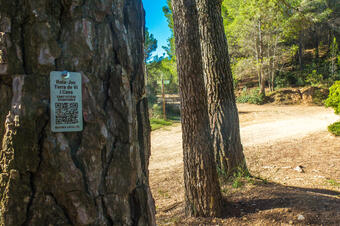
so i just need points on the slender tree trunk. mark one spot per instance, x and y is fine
(316, 42)
(262, 79)
(223, 114)
(301, 51)
(257, 60)
(273, 64)
(95, 177)
(202, 190)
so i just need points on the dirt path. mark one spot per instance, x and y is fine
(276, 140)
(259, 125)
(283, 129)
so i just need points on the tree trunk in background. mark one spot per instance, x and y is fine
(316, 41)
(223, 114)
(262, 75)
(95, 177)
(202, 190)
(301, 51)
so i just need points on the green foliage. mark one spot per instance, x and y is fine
(159, 123)
(163, 68)
(150, 45)
(158, 69)
(170, 49)
(165, 194)
(333, 99)
(334, 183)
(335, 60)
(252, 96)
(319, 98)
(287, 79)
(314, 79)
(240, 177)
(334, 128)
(265, 36)
(157, 111)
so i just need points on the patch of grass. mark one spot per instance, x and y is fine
(334, 183)
(334, 128)
(238, 179)
(238, 182)
(159, 123)
(165, 194)
(241, 176)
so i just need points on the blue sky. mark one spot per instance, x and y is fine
(156, 23)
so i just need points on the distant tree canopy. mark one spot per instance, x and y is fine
(150, 45)
(282, 41)
(165, 66)
(278, 43)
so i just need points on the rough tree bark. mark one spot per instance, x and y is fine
(95, 177)
(202, 190)
(223, 114)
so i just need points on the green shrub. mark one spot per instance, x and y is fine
(288, 79)
(314, 78)
(235, 82)
(333, 99)
(252, 97)
(156, 111)
(334, 128)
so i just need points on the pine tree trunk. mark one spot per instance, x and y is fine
(262, 78)
(202, 190)
(95, 177)
(222, 108)
(301, 51)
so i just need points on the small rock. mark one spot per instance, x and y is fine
(244, 218)
(268, 167)
(301, 217)
(286, 167)
(299, 169)
(290, 222)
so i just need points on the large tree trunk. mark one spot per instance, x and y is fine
(223, 114)
(95, 177)
(202, 190)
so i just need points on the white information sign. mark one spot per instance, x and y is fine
(66, 101)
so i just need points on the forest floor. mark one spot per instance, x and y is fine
(276, 140)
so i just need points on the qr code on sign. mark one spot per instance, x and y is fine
(66, 113)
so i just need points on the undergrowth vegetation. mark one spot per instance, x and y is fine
(251, 96)
(334, 128)
(159, 123)
(333, 101)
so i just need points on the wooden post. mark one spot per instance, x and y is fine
(164, 114)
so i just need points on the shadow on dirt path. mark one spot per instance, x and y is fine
(276, 140)
(267, 204)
